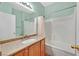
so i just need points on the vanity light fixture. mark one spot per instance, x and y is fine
(25, 5)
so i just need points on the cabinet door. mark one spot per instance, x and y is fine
(34, 50)
(26, 52)
(42, 47)
(21, 53)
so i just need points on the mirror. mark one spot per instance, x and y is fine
(18, 22)
(29, 27)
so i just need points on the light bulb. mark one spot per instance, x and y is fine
(28, 4)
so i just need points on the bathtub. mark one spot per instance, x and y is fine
(54, 50)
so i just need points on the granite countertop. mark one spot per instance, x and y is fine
(14, 46)
(9, 39)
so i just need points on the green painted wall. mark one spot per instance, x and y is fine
(18, 20)
(38, 8)
(59, 9)
(5, 7)
(20, 15)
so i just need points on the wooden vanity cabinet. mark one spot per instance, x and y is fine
(26, 52)
(20, 53)
(42, 47)
(23, 52)
(36, 49)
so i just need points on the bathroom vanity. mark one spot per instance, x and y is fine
(36, 49)
(24, 47)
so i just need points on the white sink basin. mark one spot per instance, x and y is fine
(28, 41)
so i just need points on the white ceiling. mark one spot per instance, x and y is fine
(47, 3)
